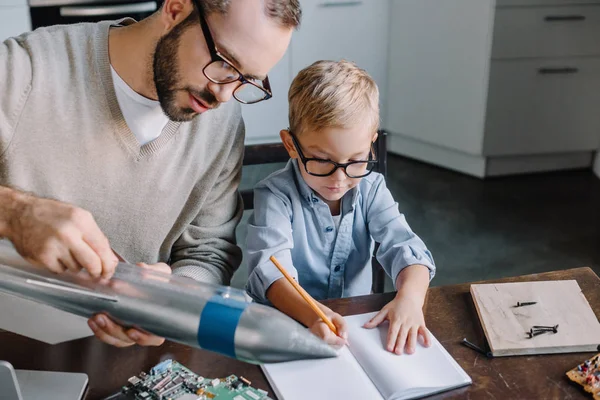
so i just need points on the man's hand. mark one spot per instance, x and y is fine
(58, 236)
(114, 334)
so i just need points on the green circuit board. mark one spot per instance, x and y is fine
(170, 380)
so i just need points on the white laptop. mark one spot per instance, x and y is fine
(36, 385)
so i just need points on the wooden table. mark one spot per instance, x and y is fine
(449, 311)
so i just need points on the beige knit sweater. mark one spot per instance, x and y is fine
(63, 136)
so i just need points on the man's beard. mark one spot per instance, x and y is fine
(167, 79)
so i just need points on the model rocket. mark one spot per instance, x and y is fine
(210, 317)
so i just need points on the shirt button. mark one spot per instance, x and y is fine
(337, 268)
(329, 229)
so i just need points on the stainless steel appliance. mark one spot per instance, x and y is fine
(53, 12)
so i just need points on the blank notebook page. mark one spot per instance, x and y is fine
(427, 370)
(328, 378)
(377, 374)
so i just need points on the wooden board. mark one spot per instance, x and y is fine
(558, 302)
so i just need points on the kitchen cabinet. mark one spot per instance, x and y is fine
(488, 88)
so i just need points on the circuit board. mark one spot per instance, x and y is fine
(170, 380)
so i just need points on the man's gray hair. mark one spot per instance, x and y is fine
(286, 12)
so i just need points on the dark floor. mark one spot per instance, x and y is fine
(481, 229)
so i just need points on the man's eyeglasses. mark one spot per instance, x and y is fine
(220, 70)
(320, 167)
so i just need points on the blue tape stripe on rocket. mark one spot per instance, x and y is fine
(218, 322)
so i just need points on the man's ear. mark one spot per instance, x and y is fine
(174, 12)
(286, 139)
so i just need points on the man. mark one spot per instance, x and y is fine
(119, 136)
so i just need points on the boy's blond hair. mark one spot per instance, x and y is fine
(332, 94)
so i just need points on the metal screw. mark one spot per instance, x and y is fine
(552, 328)
(540, 329)
(526, 303)
(476, 348)
(533, 333)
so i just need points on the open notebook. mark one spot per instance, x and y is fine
(365, 370)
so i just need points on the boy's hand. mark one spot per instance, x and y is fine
(283, 296)
(321, 329)
(405, 316)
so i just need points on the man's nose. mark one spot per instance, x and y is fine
(223, 92)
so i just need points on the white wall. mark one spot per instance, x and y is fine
(330, 30)
(14, 19)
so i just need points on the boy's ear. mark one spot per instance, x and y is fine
(286, 138)
(375, 136)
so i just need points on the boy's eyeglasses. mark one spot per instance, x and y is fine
(320, 167)
(220, 70)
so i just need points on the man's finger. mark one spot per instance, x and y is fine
(87, 258)
(99, 244)
(69, 262)
(57, 267)
(48, 261)
(112, 329)
(158, 267)
(105, 337)
(144, 339)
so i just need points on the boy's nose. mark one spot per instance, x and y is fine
(339, 175)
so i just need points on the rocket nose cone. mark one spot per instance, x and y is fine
(265, 335)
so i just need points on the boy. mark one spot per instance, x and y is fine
(320, 215)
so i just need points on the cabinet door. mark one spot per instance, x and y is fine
(542, 106)
(353, 30)
(521, 3)
(439, 63)
(13, 21)
(264, 120)
(524, 32)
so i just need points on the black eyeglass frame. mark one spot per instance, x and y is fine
(218, 57)
(371, 162)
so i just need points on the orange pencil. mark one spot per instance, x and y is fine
(304, 295)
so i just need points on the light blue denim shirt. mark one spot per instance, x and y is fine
(292, 223)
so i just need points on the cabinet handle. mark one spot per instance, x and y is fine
(95, 11)
(557, 18)
(341, 4)
(557, 70)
